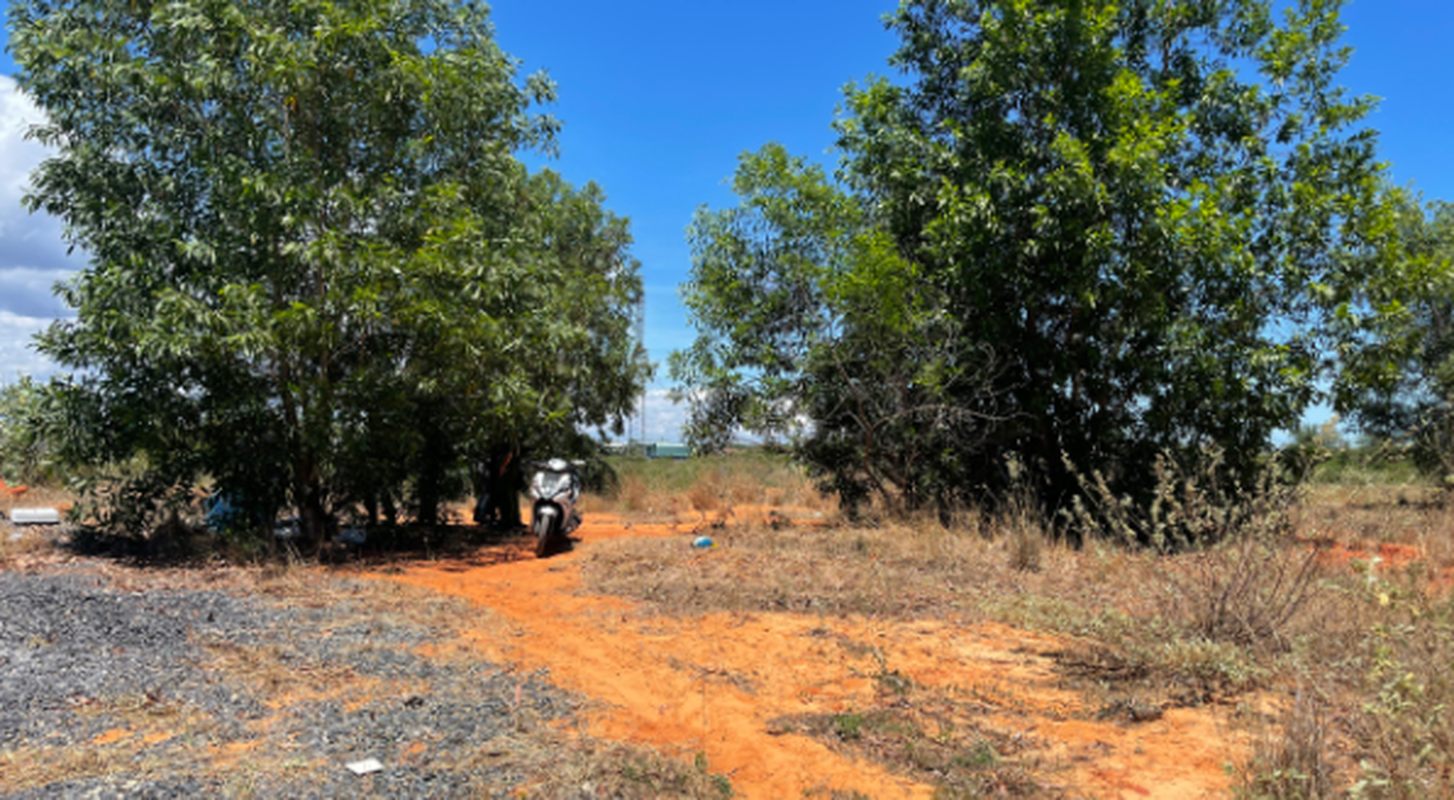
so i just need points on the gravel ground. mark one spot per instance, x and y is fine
(84, 664)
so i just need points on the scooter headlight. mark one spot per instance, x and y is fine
(550, 484)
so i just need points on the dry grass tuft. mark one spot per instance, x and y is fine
(631, 495)
(1026, 535)
(707, 494)
(1290, 760)
(31, 768)
(1247, 591)
(22, 547)
(932, 736)
(628, 772)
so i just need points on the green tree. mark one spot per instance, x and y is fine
(814, 328)
(1103, 229)
(1396, 343)
(25, 450)
(319, 275)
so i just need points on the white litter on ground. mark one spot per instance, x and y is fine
(365, 767)
(35, 516)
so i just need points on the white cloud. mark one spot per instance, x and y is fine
(32, 252)
(664, 419)
(17, 357)
(28, 292)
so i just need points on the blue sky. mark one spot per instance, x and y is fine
(659, 98)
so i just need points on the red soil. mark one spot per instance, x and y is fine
(1387, 553)
(715, 683)
(1385, 558)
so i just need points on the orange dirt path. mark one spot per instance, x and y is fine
(715, 683)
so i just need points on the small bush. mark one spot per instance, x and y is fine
(1247, 591)
(1245, 580)
(1191, 506)
(1024, 529)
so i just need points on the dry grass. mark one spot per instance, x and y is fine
(23, 547)
(1290, 759)
(30, 768)
(893, 570)
(932, 736)
(1132, 610)
(1362, 660)
(627, 772)
(1417, 516)
(705, 488)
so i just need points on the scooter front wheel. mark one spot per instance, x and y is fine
(544, 528)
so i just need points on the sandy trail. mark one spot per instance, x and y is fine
(718, 684)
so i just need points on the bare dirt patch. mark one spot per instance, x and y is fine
(788, 704)
(122, 681)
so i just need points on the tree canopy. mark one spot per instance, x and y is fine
(319, 275)
(1398, 377)
(1074, 236)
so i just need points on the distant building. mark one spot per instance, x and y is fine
(649, 449)
(667, 450)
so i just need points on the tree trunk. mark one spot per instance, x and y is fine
(428, 497)
(502, 489)
(434, 457)
(313, 520)
(315, 523)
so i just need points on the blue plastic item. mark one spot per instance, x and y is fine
(703, 541)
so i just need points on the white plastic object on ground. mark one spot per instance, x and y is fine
(365, 767)
(35, 516)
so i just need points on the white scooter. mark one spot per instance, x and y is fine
(555, 488)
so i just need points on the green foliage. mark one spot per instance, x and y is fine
(1370, 461)
(318, 273)
(1106, 230)
(848, 726)
(1399, 378)
(26, 453)
(813, 327)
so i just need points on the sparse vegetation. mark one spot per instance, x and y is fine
(1289, 599)
(1325, 615)
(1028, 348)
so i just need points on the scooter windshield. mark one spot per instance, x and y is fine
(547, 484)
